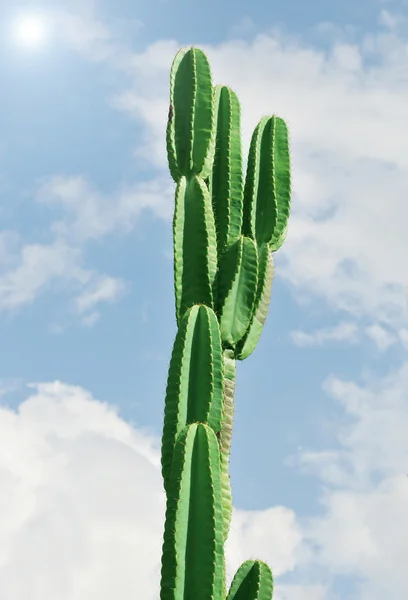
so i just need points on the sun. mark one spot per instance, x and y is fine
(30, 30)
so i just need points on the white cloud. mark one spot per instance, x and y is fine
(39, 266)
(90, 214)
(302, 592)
(364, 528)
(343, 332)
(347, 238)
(29, 270)
(75, 518)
(56, 266)
(403, 336)
(251, 534)
(391, 20)
(90, 37)
(91, 319)
(65, 455)
(8, 386)
(346, 332)
(380, 336)
(82, 504)
(103, 289)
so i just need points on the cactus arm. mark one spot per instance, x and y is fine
(195, 384)
(225, 435)
(281, 159)
(178, 228)
(276, 244)
(170, 137)
(252, 581)
(260, 193)
(193, 555)
(195, 249)
(226, 180)
(236, 289)
(224, 235)
(190, 130)
(263, 296)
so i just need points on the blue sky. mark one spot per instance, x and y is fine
(320, 458)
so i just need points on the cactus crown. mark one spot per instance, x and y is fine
(225, 232)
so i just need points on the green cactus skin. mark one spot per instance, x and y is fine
(190, 144)
(225, 435)
(282, 183)
(252, 581)
(226, 181)
(237, 281)
(267, 184)
(193, 554)
(195, 246)
(263, 296)
(195, 384)
(225, 231)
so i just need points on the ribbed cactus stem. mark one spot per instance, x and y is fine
(225, 436)
(252, 581)
(224, 233)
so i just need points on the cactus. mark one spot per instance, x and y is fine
(225, 232)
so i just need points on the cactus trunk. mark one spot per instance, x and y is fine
(224, 231)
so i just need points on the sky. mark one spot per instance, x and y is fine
(319, 461)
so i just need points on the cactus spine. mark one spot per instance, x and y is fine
(225, 231)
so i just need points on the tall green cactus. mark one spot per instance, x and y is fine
(225, 231)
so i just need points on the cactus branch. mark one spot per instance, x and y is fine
(224, 232)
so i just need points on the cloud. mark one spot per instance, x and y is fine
(91, 214)
(302, 592)
(343, 332)
(363, 530)
(91, 319)
(56, 266)
(81, 500)
(403, 336)
(93, 39)
(347, 240)
(346, 332)
(380, 336)
(251, 534)
(64, 456)
(38, 266)
(103, 289)
(82, 504)
(29, 270)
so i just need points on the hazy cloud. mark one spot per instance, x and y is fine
(82, 504)
(344, 332)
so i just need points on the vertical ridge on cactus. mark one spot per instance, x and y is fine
(252, 581)
(195, 251)
(226, 182)
(193, 556)
(190, 129)
(236, 289)
(195, 382)
(263, 296)
(225, 231)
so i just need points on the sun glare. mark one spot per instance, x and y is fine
(30, 30)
